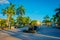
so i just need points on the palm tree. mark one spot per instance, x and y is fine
(10, 11)
(58, 15)
(57, 12)
(47, 20)
(46, 17)
(54, 18)
(28, 20)
(19, 19)
(12, 22)
(21, 11)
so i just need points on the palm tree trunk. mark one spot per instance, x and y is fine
(9, 21)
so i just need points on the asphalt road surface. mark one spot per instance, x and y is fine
(44, 33)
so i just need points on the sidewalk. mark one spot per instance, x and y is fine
(5, 36)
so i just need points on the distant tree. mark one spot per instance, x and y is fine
(46, 19)
(23, 20)
(2, 23)
(35, 23)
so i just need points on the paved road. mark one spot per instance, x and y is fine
(17, 34)
(49, 31)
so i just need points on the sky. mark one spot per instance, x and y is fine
(35, 9)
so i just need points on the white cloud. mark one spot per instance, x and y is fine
(4, 2)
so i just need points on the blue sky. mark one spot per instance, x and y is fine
(35, 9)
